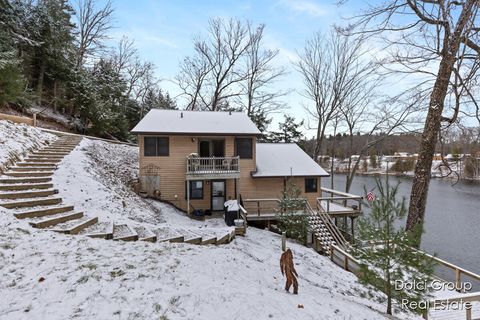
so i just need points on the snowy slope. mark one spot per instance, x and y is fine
(53, 276)
(17, 139)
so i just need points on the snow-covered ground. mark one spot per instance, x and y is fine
(17, 139)
(45, 275)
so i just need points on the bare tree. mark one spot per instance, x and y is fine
(379, 120)
(261, 73)
(213, 75)
(333, 68)
(191, 80)
(440, 41)
(93, 25)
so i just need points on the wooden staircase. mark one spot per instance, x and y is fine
(27, 189)
(324, 232)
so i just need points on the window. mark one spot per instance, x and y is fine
(196, 189)
(310, 185)
(243, 148)
(156, 146)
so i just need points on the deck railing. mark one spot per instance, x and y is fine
(340, 198)
(212, 165)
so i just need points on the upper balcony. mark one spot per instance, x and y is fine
(212, 167)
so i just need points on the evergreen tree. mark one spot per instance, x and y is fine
(289, 131)
(388, 255)
(293, 218)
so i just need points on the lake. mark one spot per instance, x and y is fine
(452, 219)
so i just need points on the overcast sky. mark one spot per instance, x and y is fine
(163, 31)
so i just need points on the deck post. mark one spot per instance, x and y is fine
(284, 241)
(188, 197)
(352, 219)
(458, 285)
(468, 308)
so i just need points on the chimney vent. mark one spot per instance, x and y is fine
(181, 114)
(230, 112)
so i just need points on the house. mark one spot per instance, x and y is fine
(198, 160)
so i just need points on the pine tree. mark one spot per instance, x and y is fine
(387, 255)
(289, 131)
(293, 219)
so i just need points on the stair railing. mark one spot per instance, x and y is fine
(331, 228)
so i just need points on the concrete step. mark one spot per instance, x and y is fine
(28, 173)
(42, 212)
(31, 203)
(124, 233)
(25, 180)
(36, 164)
(27, 186)
(75, 226)
(56, 219)
(32, 168)
(27, 194)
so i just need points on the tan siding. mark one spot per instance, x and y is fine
(172, 169)
(172, 174)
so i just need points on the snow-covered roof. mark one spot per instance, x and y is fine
(196, 122)
(283, 160)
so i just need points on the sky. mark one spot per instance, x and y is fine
(163, 32)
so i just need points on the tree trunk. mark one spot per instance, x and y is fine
(55, 88)
(41, 75)
(421, 180)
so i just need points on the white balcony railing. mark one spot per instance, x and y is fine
(212, 165)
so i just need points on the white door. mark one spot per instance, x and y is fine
(218, 195)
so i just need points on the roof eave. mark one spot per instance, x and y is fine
(197, 133)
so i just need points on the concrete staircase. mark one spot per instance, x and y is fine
(27, 190)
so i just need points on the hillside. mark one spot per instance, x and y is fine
(53, 276)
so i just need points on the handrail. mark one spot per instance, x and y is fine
(332, 229)
(344, 194)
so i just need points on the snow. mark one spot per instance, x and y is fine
(285, 159)
(47, 275)
(196, 122)
(17, 139)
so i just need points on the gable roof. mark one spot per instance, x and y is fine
(196, 122)
(283, 160)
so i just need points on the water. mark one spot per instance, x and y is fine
(452, 219)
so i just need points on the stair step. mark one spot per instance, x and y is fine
(25, 180)
(75, 226)
(48, 156)
(43, 160)
(26, 186)
(193, 239)
(31, 203)
(28, 173)
(42, 212)
(51, 154)
(36, 164)
(103, 230)
(209, 240)
(56, 220)
(166, 234)
(124, 233)
(225, 238)
(32, 168)
(27, 194)
(145, 234)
